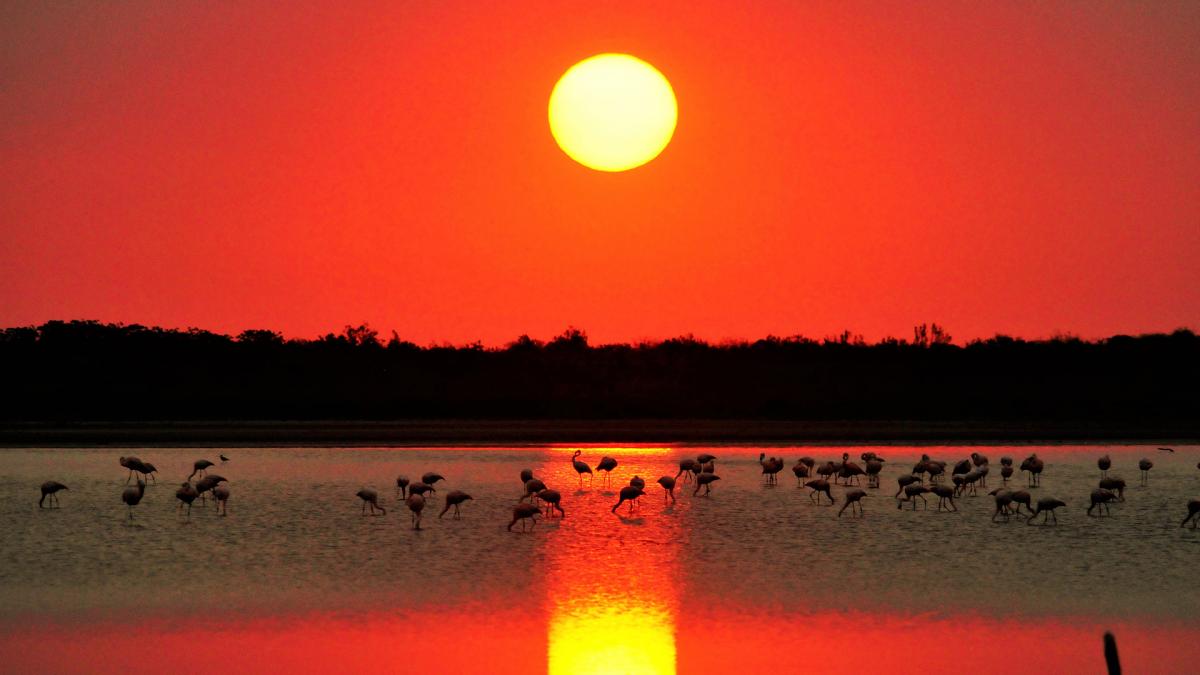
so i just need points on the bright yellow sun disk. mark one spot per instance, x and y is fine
(612, 112)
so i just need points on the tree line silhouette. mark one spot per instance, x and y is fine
(89, 371)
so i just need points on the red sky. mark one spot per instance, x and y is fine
(1026, 168)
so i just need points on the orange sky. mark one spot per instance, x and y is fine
(1025, 168)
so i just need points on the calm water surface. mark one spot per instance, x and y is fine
(753, 577)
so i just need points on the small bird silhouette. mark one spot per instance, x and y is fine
(223, 458)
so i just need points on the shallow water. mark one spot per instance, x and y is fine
(751, 577)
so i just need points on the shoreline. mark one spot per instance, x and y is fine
(540, 432)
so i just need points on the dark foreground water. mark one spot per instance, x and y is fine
(750, 578)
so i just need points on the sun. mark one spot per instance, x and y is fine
(612, 112)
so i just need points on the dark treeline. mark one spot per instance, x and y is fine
(85, 370)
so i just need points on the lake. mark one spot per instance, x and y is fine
(750, 578)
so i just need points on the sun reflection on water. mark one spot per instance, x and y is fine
(602, 634)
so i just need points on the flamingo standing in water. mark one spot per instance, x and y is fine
(1145, 465)
(607, 464)
(533, 487)
(801, 470)
(49, 488)
(526, 475)
(420, 489)
(455, 498)
(668, 485)
(911, 492)
(524, 512)
(945, 495)
(186, 494)
(200, 466)
(1022, 497)
(221, 492)
(553, 500)
(1034, 465)
(402, 486)
(705, 480)
(685, 469)
(874, 468)
(904, 481)
(1116, 485)
(134, 465)
(819, 486)
(1101, 498)
(1193, 513)
(629, 493)
(415, 504)
(132, 495)
(1046, 506)
(1003, 500)
(581, 468)
(431, 478)
(1104, 463)
(853, 497)
(368, 496)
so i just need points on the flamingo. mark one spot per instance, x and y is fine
(134, 465)
(874, 468)
(1034, 465)
(705, 458)
(629, 493)
(853, 497)
(945, 494)
(1101, 498)
(526, 475)
(910, 492)
(415, 504)
(1006, 472)
(819, 486)
(149, 470)
(581, 468)
(705, 480)
(368, 497)
(668, 484)
(132, 495)
(685, 469)
(199, 467)
(420, 489)
(1023, 497)
(552, 499)
(532, 487)
(455, 498)
(935, 470)
(186, 494)
(1046, 506)
(221, 492)
(431, 478)
(826, 470)
(809, 463)
(638, 482)
(1003, 500)
(49, 488)
(961, 467)
(904, 481)
(1193, 513)
(981, 463)
(523, 512)
(1104, 463)
(206, 484)
(607, 464)
(402, 486)
(1145, 465)
(801, 470)
(850, 471)
(1116, 485)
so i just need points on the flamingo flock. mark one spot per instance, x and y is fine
(926, 480)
